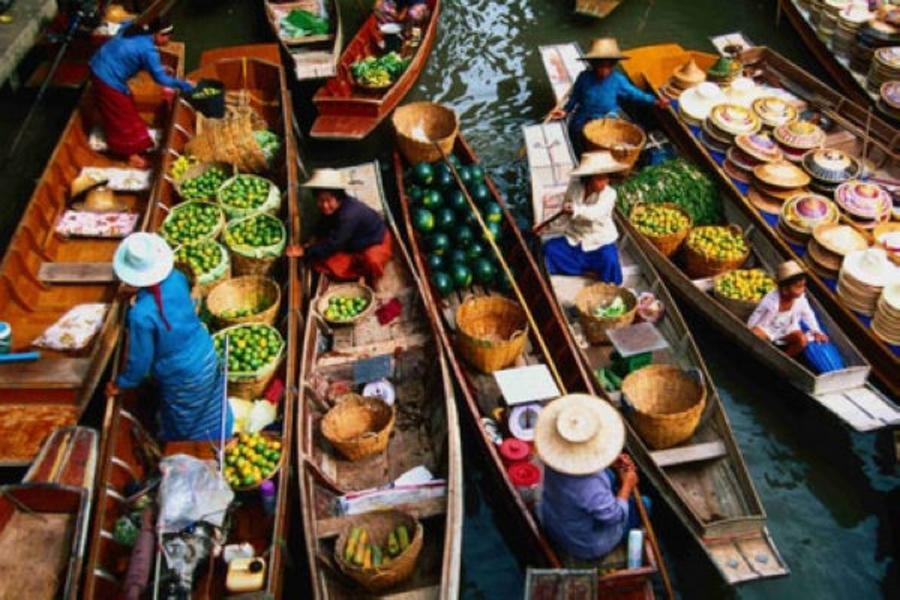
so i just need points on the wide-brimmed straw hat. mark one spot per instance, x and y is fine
(143, 259)
(579, 434)
(871, 267)
(604, 49)
(328, 179)
(100, 199)
(598, 163)
(788, 270)
(697, 101)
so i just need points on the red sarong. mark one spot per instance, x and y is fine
(368, 263)
(125, 130)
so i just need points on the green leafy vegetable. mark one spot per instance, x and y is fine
(381, 71)
(675, 181)
(302, 23)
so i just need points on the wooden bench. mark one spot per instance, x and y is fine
(45, 373)
(76, 272)
(431, 507)
(687, 454)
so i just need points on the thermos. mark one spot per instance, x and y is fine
(635, 548)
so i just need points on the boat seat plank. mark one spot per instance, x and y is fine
(45, 373)
(853, 409)
(76, 272)
(763, 558)
(430, 507)
(688, 454)
(732, 563)
(342, 127)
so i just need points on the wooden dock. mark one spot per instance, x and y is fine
(18, 37)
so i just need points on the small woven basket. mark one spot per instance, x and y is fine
(270, 435)
(346, 290)
(251, 385)
(246, 260)
(601, 294)
(742, 309)
(378, 526)
(699, 266)
(358, 426)
(667, 404)
(435, 122)
(491, 332)
(668, 244)
(202, 285)
(624, 140)
(249, 291)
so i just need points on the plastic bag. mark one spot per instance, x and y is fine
(191, 490)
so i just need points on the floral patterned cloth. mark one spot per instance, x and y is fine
(76, 223)
(75, 329)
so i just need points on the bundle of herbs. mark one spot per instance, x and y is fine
(675, 181)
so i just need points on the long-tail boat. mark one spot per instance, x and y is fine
(130, 451)
(853, 130)
(43, 275)
(481, 395)
(845, 392)
(704, 479)
(426, 433)
(350, 112)
(44, 519)
(314, 56)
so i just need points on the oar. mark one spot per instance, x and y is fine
(546, 222)
(523, 149)
(654, 544)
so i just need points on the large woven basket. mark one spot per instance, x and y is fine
(491, 332)
(251, 385)
(358, 426)
(196, 171)
(624, 140)
(246, 260)
(435, 122)
(202, 284)
(668, 244)
(667, 404)
(378, 526)
(601, 294)
(249, 291)
(347, 290)
(699, 266)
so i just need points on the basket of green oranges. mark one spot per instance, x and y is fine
(254, 352)
(246, 194)
(256, 242)
(192, 222)
(741, 290)
(345, 303)
(665, 225)
(205, 262)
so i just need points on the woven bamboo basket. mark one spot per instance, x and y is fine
(624, 140)
(667, 404)
(246, 260)
(491, 332)
(212, 235)
(670, 243)
(202, 285)
(435, 122)
(269, 435)
(601, 294)
(251, 385)
(358, 426)
(379, 525)
(347, 290)
(742, 309)
(197, 170)
(249, 291)
(699, 266)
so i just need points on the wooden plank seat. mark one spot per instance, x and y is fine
(688, 454)
(332, 526)
(76, 272)
(46, 373)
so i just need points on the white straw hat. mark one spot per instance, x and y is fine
(696, 102)
(143, 259)
(330, 179)
(743, 91)
(871, 267)
(597, 163)
(579, 434)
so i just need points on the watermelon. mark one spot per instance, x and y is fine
(461, 275)
(492, 212)
(423, 220)
(457, 255)
(484, 271)
(463, 235)
(453, 160)
(445, 219)
(474, 251)
(457, 201)
(465, 175)
(443, 177)
(481, 194)
(477, 172)
(415, 192)
(494, 229)
(424, 173)
(432, 199)
(472, 221)
(439, 243)
(435, 262)
(442, 282)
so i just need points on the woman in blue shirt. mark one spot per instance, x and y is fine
(598, 90)
(167, 340)
(135, 48)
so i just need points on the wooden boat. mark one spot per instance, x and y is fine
(426, 433)
(349, 112)
(130, 451)
(481, 395)
(43, 275)
(314, 56)
(596, 8)
(850, 124)
(44, 519)
(729, 523)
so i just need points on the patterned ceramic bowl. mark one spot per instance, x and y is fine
(831, 165)
(734, 119)
(863, 200)
(804, 211)
(760, 146)
(774, 111)
(801, 135)
(890, 94)
(782, 175)
(742, 160)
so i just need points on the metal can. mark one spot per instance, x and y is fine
(5, 338)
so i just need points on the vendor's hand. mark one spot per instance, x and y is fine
(623, 461)
(126, 291)
(567, 208)
(294, 251)
(112, 389)
(629, 479)
(557, 113)
(417, 13)
(820, 337)
(662, 102)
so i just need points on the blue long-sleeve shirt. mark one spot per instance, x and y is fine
(582, 515)
(352, 228)
(594, 98)
(121, 58)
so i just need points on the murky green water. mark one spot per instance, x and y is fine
(832, 496)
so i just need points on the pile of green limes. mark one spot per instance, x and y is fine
(250, 347)
(344, 308)
(204, 186)
(201, 257)
(258, 231)
(190, 221)
(245, 191)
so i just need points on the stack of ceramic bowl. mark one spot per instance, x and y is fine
(683, 78)
(724, 71)
(828, 19)
(797, 138)
(885, 67)
(804, 4)
(889, 100)
(695, 103)
(743, 91)
(830, 167)
(802, 213)
(775, 183)
(887, 236)
(750, 151)
(829, 244)
(725, 121)
(815, 11)
(850, 19)
(865, 204)
(880, 32)
(886, 323)
(863, 275)
(774, 111)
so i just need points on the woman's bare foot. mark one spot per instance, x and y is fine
(138, 162)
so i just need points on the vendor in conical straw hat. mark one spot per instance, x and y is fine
(586, 506)
(588, 244)
(353, 241)
(599, 89)
(779, 315)
(167, 340)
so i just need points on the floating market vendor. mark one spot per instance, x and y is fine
(599, 89)
(779, 315)
(354, 242)
(167, 340)
(399, 11)
(135, 48)
(586, 507)
(588, 245)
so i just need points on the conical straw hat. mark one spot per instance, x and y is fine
(689, 74)
(579, 434)
(330, 179)
(598, 163)
(604, 49)
(100, 200)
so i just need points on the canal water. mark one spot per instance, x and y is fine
(831, 495)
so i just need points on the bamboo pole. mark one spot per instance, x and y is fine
(654, 544)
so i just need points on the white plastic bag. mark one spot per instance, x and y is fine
(191, 490)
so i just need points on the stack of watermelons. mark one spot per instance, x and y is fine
(458, 254)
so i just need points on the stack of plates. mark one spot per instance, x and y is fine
(750, 151)
(695, 103)
(815, 11)
(886, 323)
(863, 275)
(885, 67)
(880, 32)
(724, 71)
(887, 236)
(828, 19)
(803, 213)
(683, 78)
(850, 19)
(774, 183)
(725, 121)
(889, 100)
(798, 137)
(866, 204)
(830, 167)
(774, 111)
(829, 243)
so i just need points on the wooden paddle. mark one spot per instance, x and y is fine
(654, 544)
(546, 222)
